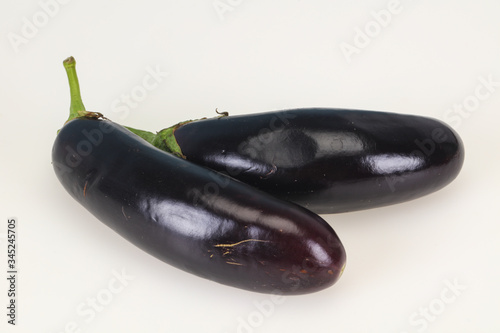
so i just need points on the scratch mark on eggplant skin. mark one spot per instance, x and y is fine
(85, 189)
(272, 171)
(241, 242)
(123, 212)
(234, 263)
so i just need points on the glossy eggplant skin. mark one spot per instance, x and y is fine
(329, 160)
(194, 218)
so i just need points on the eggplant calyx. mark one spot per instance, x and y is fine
(76, 109)
(165, 139)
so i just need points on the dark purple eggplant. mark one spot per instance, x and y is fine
(327, 160)
(189, 216)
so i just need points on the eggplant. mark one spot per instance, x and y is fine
(327, 160)
(189, 216)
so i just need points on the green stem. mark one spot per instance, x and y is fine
(76, 106)
(148, 136)
(77, 109)
(164, 140)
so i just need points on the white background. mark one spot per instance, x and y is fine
(425, 57)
